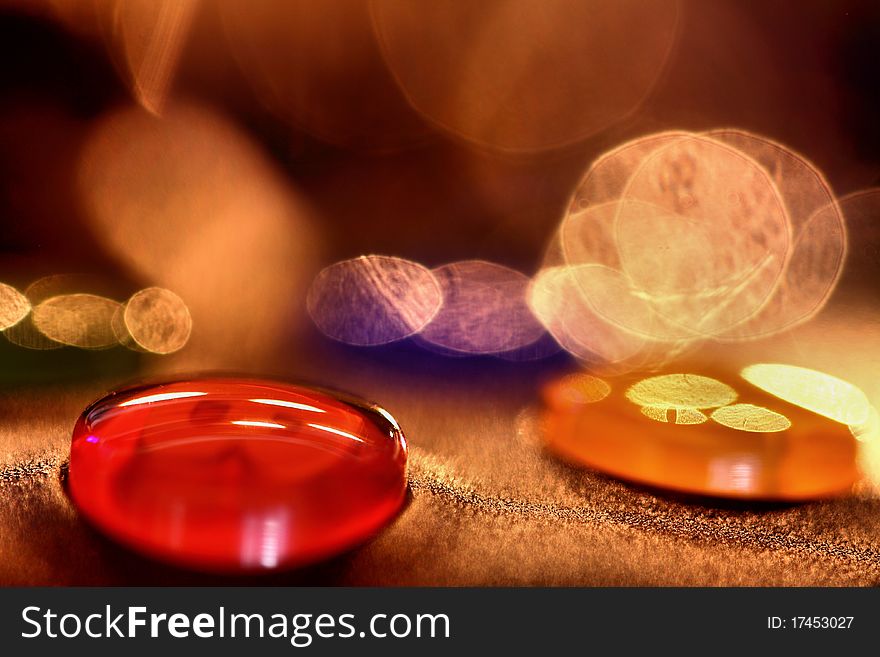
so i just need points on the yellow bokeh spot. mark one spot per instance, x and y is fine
(657, 414)
(815, 391)
(681, 391)
(682, 415)
(748, 417)
(14, 306)
(78, 320)
(581, 388)
(157, 320)
(689, 416)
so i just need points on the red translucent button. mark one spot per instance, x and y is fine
(229, 474)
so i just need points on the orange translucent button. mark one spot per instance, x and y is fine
(709, 435)
(236, 474)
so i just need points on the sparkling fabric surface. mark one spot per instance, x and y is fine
(487, 504)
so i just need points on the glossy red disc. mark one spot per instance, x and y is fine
(236, 474)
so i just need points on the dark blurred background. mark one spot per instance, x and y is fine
(805, 74)
(228, 150)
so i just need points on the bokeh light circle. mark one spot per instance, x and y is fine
(816, 391)
(686, 391)
(484, 309)
(524, 76)
(77, 320)
(373, 300)
(191, 203)
(157, 320)
(714, 251)
(751, 418)
(819, 240)
(14, 306)
(555, 299)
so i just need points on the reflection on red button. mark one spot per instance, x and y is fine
(236, 474)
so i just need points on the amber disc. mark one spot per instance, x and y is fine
(756, 446)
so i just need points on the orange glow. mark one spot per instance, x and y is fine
(190, 203)
(816, 391)
(576, 389)
(482, 71)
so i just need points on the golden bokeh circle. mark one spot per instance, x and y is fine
(158, 320)
(684, 391)
(14, 306)
(77, 320)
